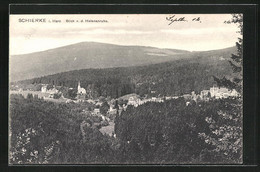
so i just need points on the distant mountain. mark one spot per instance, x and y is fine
(86, 55)
(192, 72)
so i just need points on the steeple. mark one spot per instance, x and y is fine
(80, 89)
(79, 85)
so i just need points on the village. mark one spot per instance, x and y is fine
(116, 106)
(54, 94)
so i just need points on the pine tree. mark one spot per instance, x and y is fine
(236, 61)
(226, 122)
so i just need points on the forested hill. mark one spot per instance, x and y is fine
(87, 55)
(169, 78)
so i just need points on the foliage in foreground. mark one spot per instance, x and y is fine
(169, 132)
(47, 132)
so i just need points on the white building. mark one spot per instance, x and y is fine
(157, 99)
(168, 98)
(222, 92)
(112, 111)
(134, 101)
(194, 96)
(52, 92)
(205, 95)
(81, 94)
(81, 90)
(153, 98)
(44, 89)
(234, 93)
(186, 96)
(175, 97)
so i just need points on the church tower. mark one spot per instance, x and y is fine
(79, 88)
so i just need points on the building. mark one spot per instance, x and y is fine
(222, 92)
(112, 111)
(52, 92)
(44, 89)
(81, 90)
(175, 97)
(186, 96)
(168, 98)
(112, 108)
(124, 107)
(205, 95)
(135, 101)
(194, 96)
(218, 92)
(234, 93)
(156, 99)
(81, 94)
(80, 100)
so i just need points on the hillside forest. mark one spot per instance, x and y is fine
(168, 79)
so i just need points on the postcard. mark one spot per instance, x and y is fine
(125, 89)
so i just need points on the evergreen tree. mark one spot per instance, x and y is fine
(236, 61)
(226, 123)
(104, 107)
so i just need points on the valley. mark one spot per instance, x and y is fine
(143, 104)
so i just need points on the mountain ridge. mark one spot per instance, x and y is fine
(111, 44)
(86, 55)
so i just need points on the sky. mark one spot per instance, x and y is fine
(209, 33)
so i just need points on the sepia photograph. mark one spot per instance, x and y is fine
(125, 89)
